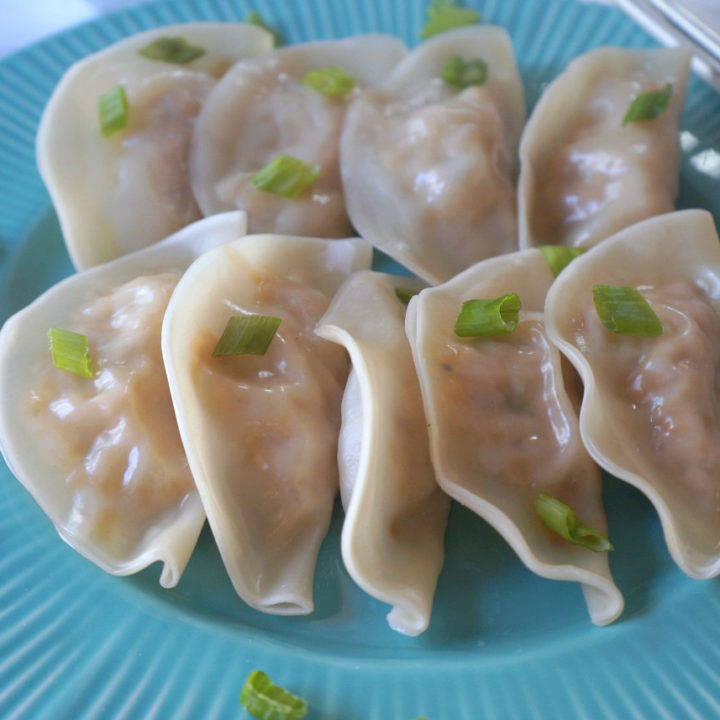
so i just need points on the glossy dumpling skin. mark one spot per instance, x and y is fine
(102, 456)
(428, 168)
(260, 431)
(120, 193)
(392, 538)
(502, 426)
(651, 411)
(583, 174)
(262, 109)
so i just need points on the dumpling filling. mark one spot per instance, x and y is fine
(115, 435)
(277, 416)
(285, 118)
(499, 412)
(151, 160)
(585, 184)
(589, 167)
(669, 387)
(450, 162)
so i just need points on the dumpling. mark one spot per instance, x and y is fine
(428, 167)
(392, 538)
(651, 411)
(118, 193)
(262, 110)
(260, 431)
(502, 426)
(583, 173)
(102, 454)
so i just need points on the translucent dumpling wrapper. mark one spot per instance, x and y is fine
(502, 426)
(102, 456)
(651, 413)
(584, 174)
(118, 193)
(392, 538)
(428, 167)
(261, 110)
(260, 431)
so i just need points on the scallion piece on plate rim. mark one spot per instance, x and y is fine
(561, 518)
(286, 176)
(444, 15)
(247, 335)
(625, 311)
(648, 105)
(254, 18)
(176, 50)
(558, 257)
(267, 701)
(497, 316)
(329, 81)
(69, 352)
(113, 111)
(464, 73)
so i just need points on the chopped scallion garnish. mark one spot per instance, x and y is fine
(254, 18)
(286, 176)
(562, 519)
(176, 50)
(267, 701)
(329, 81)
(404, 295)
(113, 111)
(648, 105)
(558, 257)
(69, 352)
(443, 15)
(498, 316)
(247, 335)
(624, 310)
(464, 73)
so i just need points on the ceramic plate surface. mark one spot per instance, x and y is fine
(503, 643)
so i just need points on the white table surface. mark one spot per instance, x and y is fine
(24, 21)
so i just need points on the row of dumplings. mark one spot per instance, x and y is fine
(414, 150)
(161, 432)
(261, 440)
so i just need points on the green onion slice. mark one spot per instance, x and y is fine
(176, 50)
(498, 316)
(464, 73)
(624, 310)
(69, 352)
(113, 111)
(558, 257)
(267, 701)
(648, 105)
(443, 15)
(329, 81)
(562, 519)
(286, 176)
(404, 295)
(247, 335)
(254, 18)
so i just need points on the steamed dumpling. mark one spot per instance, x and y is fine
(123, 192)
(428, 167)
(260, 431)
(502, 426)
(583, 174)
(651, 411)
(261, 110)
(392, 538)
(102, 455)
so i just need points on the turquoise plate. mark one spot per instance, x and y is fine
(503, 643)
